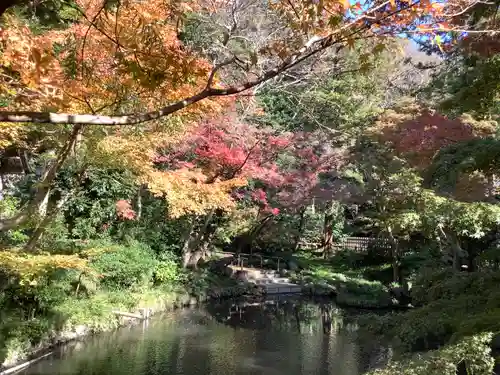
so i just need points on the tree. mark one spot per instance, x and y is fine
(463, 159)
(416, 134)
(467, 80)
(144, 58)
(207, 167)
(102, 65)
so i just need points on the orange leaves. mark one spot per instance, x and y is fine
(102, 61)
(39, 73)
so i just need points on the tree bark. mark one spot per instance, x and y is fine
(328, 233)
(43, 191)
(188, 237)
(47, 219)
(300, 229)
(191, 251)
(42, 226)
(456, 250)
(139, 203)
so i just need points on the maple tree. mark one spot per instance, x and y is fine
(151, 56)
(416, 135)
(209, 169)
(117, 60)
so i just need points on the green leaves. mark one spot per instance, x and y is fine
(473, 351)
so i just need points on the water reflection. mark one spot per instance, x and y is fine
(281, 336)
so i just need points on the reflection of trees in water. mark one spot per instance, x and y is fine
(287, 313)
(320, 320)
(280, 336)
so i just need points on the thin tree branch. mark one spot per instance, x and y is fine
(306, 52)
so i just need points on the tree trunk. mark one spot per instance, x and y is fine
(456, 250)
(192, 252)
(24, 161)
(42, 226)
(43, 191)
(188, 237)
(300, 229)
(47, 219)
(139, 204)
(328, 234)
(395, 257)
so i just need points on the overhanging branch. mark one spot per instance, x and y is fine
(132, 119)
(311, 48)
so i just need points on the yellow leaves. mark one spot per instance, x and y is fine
(10, 134)
(187, 192)
(30, 266)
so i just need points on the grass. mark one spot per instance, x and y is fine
(346, 278)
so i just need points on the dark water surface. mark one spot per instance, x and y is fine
(280, 337)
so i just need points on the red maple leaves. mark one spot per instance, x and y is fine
(284, 167)
(124, 210)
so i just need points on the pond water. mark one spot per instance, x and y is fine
(283, 336)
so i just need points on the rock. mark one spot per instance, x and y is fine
(219, 266)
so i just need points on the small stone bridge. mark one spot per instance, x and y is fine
(271, 280)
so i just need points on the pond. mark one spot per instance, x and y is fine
(280, 336)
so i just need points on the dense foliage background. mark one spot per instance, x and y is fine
(393, 140)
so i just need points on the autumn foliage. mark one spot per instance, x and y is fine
(417, 134)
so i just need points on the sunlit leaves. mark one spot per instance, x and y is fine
(417, 134)
(474, 352)
(31, 267)
(188, 192)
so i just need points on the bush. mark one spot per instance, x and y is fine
(125, 266)
(469, 356)
(168, 270)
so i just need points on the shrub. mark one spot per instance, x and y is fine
(470, 356)
(168, 270)
(125, 266)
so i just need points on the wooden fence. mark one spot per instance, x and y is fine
(359, 244)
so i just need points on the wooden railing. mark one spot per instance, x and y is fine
(241, 258)
(359, 244)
